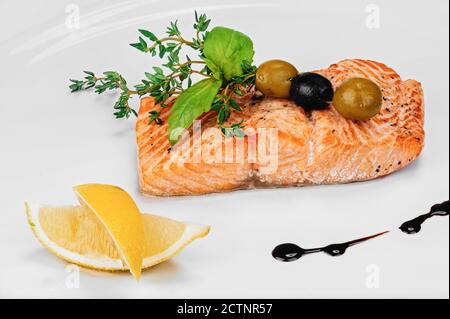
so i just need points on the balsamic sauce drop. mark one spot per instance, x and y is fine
(415, 225)
(292, 252)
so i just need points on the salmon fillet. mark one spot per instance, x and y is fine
(320, 147)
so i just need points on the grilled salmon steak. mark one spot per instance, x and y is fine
(284, 145)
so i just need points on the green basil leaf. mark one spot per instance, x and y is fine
(192, 103)
(217, 73)
(225, 51)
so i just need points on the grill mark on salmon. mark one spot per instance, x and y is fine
(318, 148)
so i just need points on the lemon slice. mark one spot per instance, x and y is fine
(107, 231)
(122, 219)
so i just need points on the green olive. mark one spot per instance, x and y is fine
(273, 78)
(358, 99)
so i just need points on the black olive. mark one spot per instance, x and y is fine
(312, 91)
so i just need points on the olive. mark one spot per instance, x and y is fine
(312, 91)
(273, 78)
(358, 99)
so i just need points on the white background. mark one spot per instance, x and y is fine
(51, 140)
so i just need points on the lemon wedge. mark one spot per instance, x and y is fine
(107, 231)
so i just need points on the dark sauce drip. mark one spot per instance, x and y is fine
(415, 225)
(292, 252)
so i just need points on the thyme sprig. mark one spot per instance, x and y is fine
(109, 81)
(225, 102)
(236, 129)
(159, 84)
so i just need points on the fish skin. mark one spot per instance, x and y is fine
(317, 148)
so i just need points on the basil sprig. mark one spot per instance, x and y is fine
(225, 58)
(190, 105)
(225, 52)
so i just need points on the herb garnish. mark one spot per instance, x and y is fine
(224, 59)
(235, 129)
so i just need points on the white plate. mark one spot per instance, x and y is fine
(51, 140)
